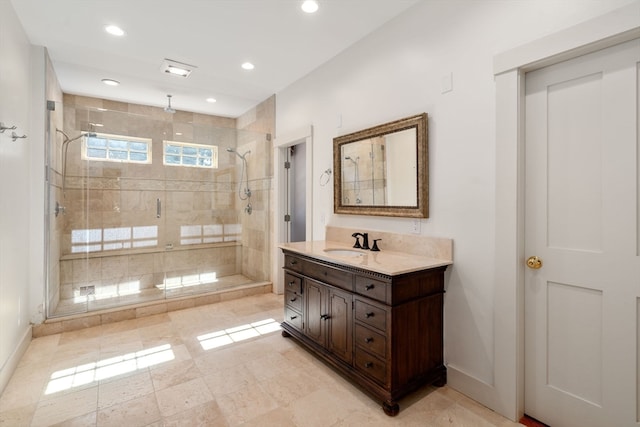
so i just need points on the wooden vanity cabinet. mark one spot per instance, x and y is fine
(382, 332)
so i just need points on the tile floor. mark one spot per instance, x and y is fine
(224, 364)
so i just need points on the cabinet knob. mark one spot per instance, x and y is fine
(368, 340)
(293, 262)
(293, 299)
(369, 287)
(293, 317)
(368, 365)
(368, 315)
(325, 317)
(291, 284)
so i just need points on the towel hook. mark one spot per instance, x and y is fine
(3, 127)
(15, 136)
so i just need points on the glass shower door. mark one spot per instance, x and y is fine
(107, 236)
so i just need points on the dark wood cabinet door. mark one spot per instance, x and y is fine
(340, 324)
(315, 311)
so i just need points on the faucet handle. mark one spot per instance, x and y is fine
(375, 247)
(357, 244)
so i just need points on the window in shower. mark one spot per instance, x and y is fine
(192, 155)
(116, 148)
(109, 239)
(213, 233)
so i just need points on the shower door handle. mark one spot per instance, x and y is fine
(158, 208)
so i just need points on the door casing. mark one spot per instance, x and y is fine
(280, 145)
(506, 394)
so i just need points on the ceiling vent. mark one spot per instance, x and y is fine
(176, 68)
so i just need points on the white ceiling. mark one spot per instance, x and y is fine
(217, 36)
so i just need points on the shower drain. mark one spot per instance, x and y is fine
(87, 290)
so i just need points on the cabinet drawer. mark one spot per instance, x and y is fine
(332, 276)
(371, 315)
(372, 288)
(371, 365)
(292, 283)
(293, 263)
(371, 341)
(293, 300)
(293, 318)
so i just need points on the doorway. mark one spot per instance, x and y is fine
(304, 165)
(296, 195)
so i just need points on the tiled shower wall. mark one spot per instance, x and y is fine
(258, 227)
(110, 195)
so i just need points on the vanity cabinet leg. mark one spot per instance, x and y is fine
(390, 408)
(285, 334)
(441, 380)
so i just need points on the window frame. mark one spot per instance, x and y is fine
(108, 137)
(213, 148)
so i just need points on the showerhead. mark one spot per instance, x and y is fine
(232, 150)
(354, 161)
(67, 140)
(168, 108)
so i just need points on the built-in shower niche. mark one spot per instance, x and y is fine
(150, 205)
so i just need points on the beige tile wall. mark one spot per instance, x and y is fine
(257, 237)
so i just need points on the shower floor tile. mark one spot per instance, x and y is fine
(100, 301)
(173, 369)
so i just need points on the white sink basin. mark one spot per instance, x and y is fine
(344, 252)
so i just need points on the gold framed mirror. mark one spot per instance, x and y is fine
(383, 170)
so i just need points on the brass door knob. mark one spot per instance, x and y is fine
(534, 262)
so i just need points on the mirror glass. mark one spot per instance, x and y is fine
(383, 170)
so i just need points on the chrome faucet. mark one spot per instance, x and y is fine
(365, 240)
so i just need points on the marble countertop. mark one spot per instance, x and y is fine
(387, 262)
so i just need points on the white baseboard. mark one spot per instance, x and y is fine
(480, 391)
(12, 362)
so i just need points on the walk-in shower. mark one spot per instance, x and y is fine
(149, 206)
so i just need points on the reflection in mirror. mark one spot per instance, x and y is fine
(383, 170)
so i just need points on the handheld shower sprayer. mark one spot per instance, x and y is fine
(244, 177)
(242, 156)
(65, 146)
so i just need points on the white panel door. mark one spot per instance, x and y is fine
(582, 201)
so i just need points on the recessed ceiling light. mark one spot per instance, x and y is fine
(110, 82)
(176, 68)
(114, 30)
(248, 66)
(211, 100)
(309, 6)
